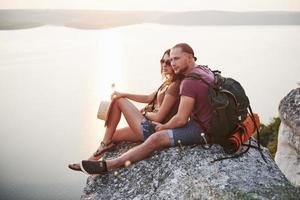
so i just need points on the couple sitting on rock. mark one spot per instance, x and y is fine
(172, 119)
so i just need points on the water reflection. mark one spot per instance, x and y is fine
(51, 88)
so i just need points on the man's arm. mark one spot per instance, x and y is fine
(185, 108)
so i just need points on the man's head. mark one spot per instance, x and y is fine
(182, 58)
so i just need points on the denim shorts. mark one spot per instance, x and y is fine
(147, 128)
(189, 134)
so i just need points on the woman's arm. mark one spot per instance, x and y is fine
(134, 97)
(166, 106)
(169, 101)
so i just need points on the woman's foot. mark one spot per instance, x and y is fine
(104, 147)
(75, 167)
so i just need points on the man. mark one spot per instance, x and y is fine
(186, 127)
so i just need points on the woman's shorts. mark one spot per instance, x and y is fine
(147, 128)
(189, 134)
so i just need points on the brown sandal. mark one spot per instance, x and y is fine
(105, 148)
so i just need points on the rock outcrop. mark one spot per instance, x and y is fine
(288, 149)
(188, 173)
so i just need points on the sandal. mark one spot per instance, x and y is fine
(93, 167)
(75, 167)
(105, 148)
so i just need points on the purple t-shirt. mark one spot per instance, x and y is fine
(198, 90)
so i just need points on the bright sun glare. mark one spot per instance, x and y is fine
(109, 71)
(111, 63)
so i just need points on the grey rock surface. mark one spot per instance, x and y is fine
(188, 173)
(287, 155)
(289, 110)
(288, 149)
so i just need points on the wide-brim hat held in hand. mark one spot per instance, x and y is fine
(104, 110)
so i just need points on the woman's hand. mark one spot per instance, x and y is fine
(116, 95)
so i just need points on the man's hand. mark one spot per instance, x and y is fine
(159, 126)
(185, 108)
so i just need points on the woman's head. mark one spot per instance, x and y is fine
(165, 66)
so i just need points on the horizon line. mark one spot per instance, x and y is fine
(207, 10)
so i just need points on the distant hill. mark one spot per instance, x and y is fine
(97, 19)
(231, 18)
(83, 19)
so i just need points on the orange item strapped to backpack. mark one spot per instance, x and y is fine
(243, 133)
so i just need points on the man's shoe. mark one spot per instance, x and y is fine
(93, 167)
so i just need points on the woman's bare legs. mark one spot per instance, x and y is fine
(124, 134)
(132, 133)
(132, 115)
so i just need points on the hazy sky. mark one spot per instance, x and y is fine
(174, 5)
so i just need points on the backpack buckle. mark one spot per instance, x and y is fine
(206, 145)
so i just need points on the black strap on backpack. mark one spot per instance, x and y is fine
(258, 147)
(258, 137)
(216, 82)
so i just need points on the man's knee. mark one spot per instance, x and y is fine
(160, 139)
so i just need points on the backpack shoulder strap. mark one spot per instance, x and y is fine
(196, 76)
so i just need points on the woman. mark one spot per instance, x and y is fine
(162, 105)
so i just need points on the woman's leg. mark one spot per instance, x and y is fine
(120, 135)
(124, 134)
(132, 115)
(132, 133)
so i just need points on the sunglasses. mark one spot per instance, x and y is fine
(167, 62)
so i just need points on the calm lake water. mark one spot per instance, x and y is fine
(53, 78)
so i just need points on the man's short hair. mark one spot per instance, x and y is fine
(186, 49)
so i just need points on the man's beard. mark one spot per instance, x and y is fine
(182, 70)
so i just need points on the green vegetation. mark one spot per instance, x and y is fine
(269, 135)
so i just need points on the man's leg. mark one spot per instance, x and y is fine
(156, 141)
(187, 135)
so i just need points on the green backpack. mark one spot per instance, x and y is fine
(230, 106)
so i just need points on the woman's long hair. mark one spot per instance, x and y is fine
(167, 81)
(170, 77)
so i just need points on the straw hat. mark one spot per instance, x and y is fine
(104, 110)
